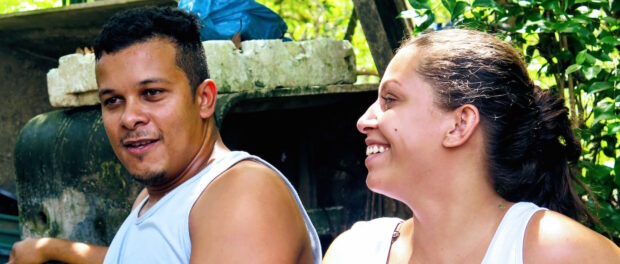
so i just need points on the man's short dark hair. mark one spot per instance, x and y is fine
(141, 24)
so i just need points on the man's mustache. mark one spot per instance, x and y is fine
(141, 134)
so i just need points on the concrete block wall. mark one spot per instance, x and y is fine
(258, 65)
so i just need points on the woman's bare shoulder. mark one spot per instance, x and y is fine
(554, 238)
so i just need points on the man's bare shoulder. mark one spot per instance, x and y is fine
(555, 238)
(245, 207)
(250, 178)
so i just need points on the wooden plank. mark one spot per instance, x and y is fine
(54, 32)
(382, 28)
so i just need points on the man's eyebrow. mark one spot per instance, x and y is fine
(153, 80)
(105, 91)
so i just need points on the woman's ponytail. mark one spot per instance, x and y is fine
(557, 149)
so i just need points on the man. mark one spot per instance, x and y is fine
(202, 203)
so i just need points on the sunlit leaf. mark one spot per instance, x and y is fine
(449, 5)
(604, 111)
(613, 128)
(610, 20)
(573, 68)
(591, 72)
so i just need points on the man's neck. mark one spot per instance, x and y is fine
(212, 147)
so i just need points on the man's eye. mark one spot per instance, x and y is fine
(152, 92)
(111, 100)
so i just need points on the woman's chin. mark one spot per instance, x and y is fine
(375, 183)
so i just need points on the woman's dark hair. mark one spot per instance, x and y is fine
(529, 139)
(141, 24)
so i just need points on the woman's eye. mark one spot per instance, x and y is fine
(387, 99)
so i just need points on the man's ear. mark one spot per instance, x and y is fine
(206, 95)
(465, 122)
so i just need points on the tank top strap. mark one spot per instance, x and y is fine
(507, 243)
(218, 167)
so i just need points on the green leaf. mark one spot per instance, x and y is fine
(459, 9)
(552, 5)
(617, 171)
(599, 87)
(591, 72)
(581, 57)
(580, 1)
(573, 68)
(610, 20)
(484, 3)
(423, 21)
(449, 5)
(600, 171)
(613, 128)
(611, 40)
(419, 4)
(584, 20)
(590, 58)
(604, 111)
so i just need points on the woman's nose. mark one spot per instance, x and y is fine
(368, 120)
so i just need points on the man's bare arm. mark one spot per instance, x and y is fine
(41, 250)
(248, 215)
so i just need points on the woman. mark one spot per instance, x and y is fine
(460, 135)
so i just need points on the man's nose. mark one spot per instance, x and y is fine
(368, 120)
(133, 115)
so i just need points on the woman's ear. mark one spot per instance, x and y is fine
(466, 119)
(206, 96)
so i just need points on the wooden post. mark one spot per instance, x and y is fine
(383, 30)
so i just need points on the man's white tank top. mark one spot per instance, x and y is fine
(161, 234)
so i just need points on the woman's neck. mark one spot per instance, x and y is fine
(457, 231)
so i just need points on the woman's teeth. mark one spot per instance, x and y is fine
(374, 149)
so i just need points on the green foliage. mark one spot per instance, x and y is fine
(11, 6)
(323, 19)
(571, 47)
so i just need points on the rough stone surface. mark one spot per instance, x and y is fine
(259, 65)
(73, 83)
(66, 211)
(22, 96)
(264, 64)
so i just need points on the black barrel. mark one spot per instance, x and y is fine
(69, 182)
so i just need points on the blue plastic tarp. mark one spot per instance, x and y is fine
(222, 19)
